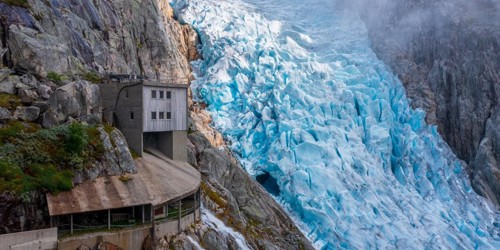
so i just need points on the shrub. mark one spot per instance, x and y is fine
(20, 3)
(9, 101)
(29, 156)
(53, 76)
(76, 139)
(92, 77)
(10, 130)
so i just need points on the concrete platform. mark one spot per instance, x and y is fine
(158, 180)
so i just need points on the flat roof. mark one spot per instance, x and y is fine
(158, 180)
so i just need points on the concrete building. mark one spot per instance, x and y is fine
(162, 198)
(150, 114)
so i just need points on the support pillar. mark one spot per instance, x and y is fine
(109, 219)
(195, 205)
(179, 217)
(71, 223)
(153, 227)
(143, 220)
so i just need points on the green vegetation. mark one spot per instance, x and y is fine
(53, 76)
(32, 158)
(20, 3)
(9, 101)
(92, 77)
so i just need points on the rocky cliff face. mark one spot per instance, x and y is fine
(447, 54)
(233, 195)
(58, 42)
(74, 37)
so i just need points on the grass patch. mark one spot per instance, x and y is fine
(32, 158)
(9, 101)
(53, 76)
(134, 154)
(19, 3)
(92, 77)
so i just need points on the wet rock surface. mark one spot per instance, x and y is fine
(234, 196)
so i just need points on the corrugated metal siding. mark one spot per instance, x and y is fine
(177, 105)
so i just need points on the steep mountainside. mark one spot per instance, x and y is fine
(447, 54)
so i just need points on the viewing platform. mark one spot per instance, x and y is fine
(163, 194)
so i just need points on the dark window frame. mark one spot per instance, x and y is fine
(168, 115)
(169, 95)
(161, 115)
(153, 94)
(153, 115)
(131, 115)
(162, 94)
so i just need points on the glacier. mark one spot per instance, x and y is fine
(298, 94)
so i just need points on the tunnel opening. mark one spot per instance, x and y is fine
(269, 183)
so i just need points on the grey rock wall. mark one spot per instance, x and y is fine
(447, 54)
(73, 37)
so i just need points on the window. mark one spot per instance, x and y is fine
(153, 94)
(161, 115)
(153, 115)
(169, 115)
(162, 95)
(159, 211)
(126, 93)
(169, 94)
(131, 115)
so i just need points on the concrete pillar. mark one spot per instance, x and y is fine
(166, 211)
(195, 205)
(143, 220)
(71, 223)
(109, 219)
(179, 217)
(153, 227)
(174, 145)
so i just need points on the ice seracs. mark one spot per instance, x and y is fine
(298, 93)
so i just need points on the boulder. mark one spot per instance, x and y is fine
(79, 99)
(4, 73)
(29, 80)
(116, 159)
(7, 87)
(123, 155)
(50, 119)
(27, 96)
(44, 91)
(8, 84)
(28, 114)
(43, 106)
(5, 114)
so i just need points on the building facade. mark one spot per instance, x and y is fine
(149, 114)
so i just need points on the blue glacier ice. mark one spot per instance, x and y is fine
(298, 93)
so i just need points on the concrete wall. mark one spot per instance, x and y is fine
(174, 145)
(176, 105)
(126, 239)
(171, 227)
(119, 101)
(109, 94)
(36, 239)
